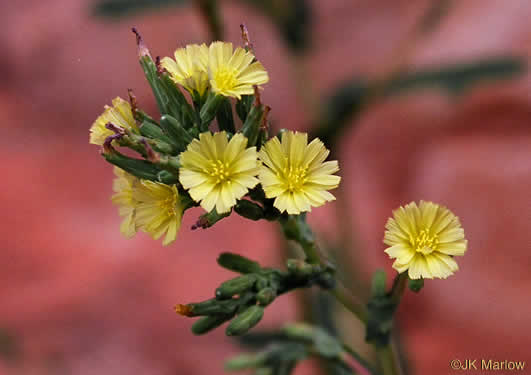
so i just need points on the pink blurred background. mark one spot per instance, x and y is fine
(80, 299)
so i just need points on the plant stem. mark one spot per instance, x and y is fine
(387, 360)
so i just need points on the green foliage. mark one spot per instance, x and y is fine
(348, 100)
(243, 299)
(122, 8)
(282, 350)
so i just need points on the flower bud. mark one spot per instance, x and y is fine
(212, 307)
(139, 168)
(251, 126)
(238, 263)
(266, 296)
(210, 109)
(416, 285)
(176, 131)
(225, 118)
(245, 362)
(245, 321)
(378, 283)
(249, 210)
(235, 286)
(208, 323)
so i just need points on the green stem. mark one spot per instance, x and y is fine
(387, 360)
(360, 360)
(350, 302)
(296, 228)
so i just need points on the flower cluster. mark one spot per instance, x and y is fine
(226, 72)
(185, 163)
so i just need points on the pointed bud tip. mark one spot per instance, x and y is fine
(142, 48)
(183, 310)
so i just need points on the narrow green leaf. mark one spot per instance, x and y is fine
(121, 8)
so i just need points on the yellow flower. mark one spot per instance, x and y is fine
(124, 185)
(150, 206)
(424, 239)
(119, 114)
(233, 74)
(295, 173)
(189, 69)
(159, 210)
(218, 172)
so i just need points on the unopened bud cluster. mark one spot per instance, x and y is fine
(242, 300)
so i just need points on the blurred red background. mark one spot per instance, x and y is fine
(78, 298)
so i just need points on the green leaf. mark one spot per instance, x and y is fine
(457, 78)
(292, 18)
(339, 109)
(121, 8)
(348, 100)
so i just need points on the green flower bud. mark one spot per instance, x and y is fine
(299, 268)
(224, 117)
(245, 362)
(139, 168)
(238, 263)
(153, 131)
(208, 323)
(235, 286)
(210, 109)
(416, 285)
(167, 177)
(176, 131)
(251, 126)
(378, 283)
(210, 307)
(249, 210)
(266, 296)
(245, 321)
(243, 106)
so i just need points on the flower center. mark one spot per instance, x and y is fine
(295, 177)
(225, 79)
(168, 206)
(425, 242)
(219, 171)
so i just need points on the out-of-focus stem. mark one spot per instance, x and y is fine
(210, 11)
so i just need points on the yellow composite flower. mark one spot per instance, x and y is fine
(159, 210)
(123, 186)
(295, 174)
(119, 114)
(218, 172)
(153, 207)
(234, 74)
(424, 239)
(189, 69)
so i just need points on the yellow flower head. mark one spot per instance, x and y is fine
(124, 185)
(119, 114)
(233, 74)
(150, 206)
(295, 173)
(189, 69)
(159, 210)
(424, 239)
(217, 172)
